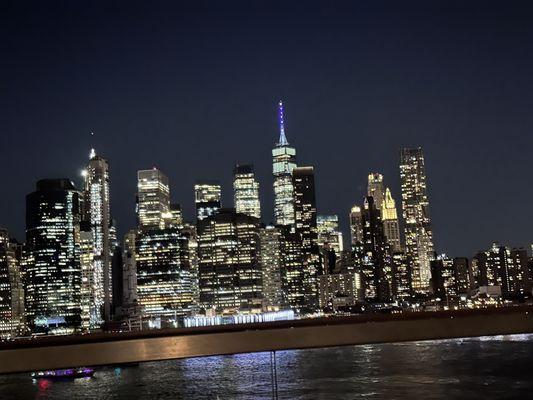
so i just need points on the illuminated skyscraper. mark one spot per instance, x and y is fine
(153, 198)
(284, 162)
(270, 260)
(229, 268)
(53, 275)
(207, 199)
(415, 205)
(246, 191)
(356, 225)
(375, 189)
(164, 274)
(306, 227)
(88, 303)
(401, 277)
(389, 216)
(11, 290)
(96, 210)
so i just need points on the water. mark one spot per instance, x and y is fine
(491, 368)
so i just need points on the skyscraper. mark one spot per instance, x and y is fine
(375, 189)
(246, 191)
(270, 260)
(389, 216)
(53, 275)
(305, 225)
(284, 162)
(229, 269)
(356, 225)
(164, 275)
(11, 290)
(153, 198)
(376, 255)
(415, 205)
(207, 199)
(96, 210)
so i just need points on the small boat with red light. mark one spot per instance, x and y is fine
(69, 373)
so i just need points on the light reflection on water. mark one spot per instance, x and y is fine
(490, 367)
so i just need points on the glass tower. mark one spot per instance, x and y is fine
(284, 162)
(246, 191)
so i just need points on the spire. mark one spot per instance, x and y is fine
(92, 154)
(282, 138)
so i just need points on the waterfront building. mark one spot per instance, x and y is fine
(376, 255)
(270, 261)
(246, 191)
(96, 210)
(53, 272)
(415, 206)
(164, 275)
(340, 290)
(11, 289)
(305, 217)
(284, 162)
(228, 262)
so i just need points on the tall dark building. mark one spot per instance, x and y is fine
(229, 268)
(401, 276)
(376, 255)
(53, 275)
(305, 225)
(207, 198)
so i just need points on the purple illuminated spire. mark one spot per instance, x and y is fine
(282, 138)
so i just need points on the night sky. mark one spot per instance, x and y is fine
(192, 88)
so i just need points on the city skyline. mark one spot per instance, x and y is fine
(194, 105)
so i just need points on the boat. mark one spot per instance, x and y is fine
(69, 373)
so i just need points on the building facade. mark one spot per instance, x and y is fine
(284, 162)
(415, 206)
(53, 271)
(246, 191)
(153, 198)
(207, 198)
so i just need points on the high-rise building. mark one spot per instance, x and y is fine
(228, 256)
(90, 309)
(207, 199)
(376, 255)
(389, 216)
(401, 277)
(443, 278)
(463, 275)
(11, 290)
(375, 189)
(153, 198)
(305, 225)
(284, 162)
(53, 272)
(329, 235)
(164, 275)
(415, 205)
(270, 260)
(246, 191)
(293, 275)
(96, 210)
(356, 226)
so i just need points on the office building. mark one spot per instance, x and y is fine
(356, 226)
(53, 272)
(96, 210)
(270, 260)
(153, 198)
(375, 189)
(391, 226)
(229, 273)
(415, 206)
(246, 191)
(284, 162)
